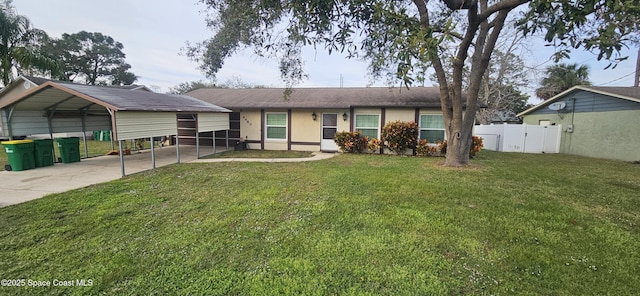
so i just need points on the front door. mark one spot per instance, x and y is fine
(329, 129)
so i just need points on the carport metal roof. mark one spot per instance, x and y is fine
(77, 97)
(68, 100)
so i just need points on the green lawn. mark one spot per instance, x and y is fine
(513, 224)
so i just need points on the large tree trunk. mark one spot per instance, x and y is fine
(458, 149)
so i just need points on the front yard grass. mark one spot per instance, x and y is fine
(513, 224)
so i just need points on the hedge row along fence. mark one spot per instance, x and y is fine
(398, 137)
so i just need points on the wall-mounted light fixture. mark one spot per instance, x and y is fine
(345, 116)
(314, 116)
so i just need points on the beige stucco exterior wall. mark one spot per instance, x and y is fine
(250, 127)
(610, 135)
(402, 114)
(306, 132)
(303, 127)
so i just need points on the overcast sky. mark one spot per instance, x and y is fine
(153, 33)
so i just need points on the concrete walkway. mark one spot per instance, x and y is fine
(17, 187)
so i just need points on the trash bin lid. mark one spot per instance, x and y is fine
(14, 142)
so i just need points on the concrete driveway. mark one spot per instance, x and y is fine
(17, 187)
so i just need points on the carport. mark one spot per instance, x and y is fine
(57, 107)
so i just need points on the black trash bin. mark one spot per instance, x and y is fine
(240, 146)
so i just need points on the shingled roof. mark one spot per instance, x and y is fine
(628, 93)
(304, 98)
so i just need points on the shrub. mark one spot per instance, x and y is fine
(442, 147)
(476, 146)
(424, 149)
(351, 142)
(399, 136)
(374, 145)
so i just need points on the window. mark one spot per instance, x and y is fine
(432, 128)
(368, 125)
(276, 126)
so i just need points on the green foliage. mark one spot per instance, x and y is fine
(350, 225)
(399, 136)
(602, 27)
(20, 44)
(351, 142)
(374, 145)
(476, 146)
(188, 86)
(92, 58)
(424, 149)
(561, 77)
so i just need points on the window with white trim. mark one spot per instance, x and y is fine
(432, 127)
(368, 125)
(276, 125)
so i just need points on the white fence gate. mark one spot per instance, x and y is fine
(523, 138)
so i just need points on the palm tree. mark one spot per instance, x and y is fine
(19, 44)
(561, 77)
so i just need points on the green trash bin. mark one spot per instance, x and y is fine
(20, 155)
(106, 135)
(96, 135)
(69, 149)
(43, 152)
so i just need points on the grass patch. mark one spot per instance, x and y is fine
(353, 224)
(3, 158)
(261, 154)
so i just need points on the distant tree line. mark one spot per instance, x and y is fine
(84, 57)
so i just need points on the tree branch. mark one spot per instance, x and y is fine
(499, 6)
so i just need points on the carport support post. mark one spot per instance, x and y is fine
(227, 135)
(197, 145)
(121, 157)
(178, 147)
(153, 154)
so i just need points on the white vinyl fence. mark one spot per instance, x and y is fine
(520, 138)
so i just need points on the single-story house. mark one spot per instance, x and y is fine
(308, 118)
(597, 121)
